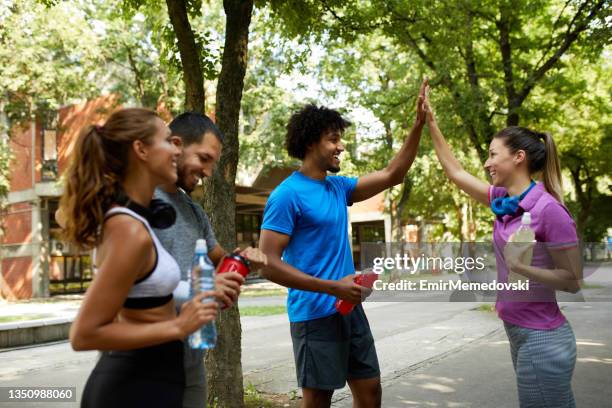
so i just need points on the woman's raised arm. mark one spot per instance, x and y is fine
(476, 188)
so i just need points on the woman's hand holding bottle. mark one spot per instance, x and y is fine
(195, 314)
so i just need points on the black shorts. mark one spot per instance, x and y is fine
(333, 349)
(147, 377)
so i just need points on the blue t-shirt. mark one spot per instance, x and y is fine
(314, 214)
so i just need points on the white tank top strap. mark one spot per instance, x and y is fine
(125, 210)
(114, 211)
(156, 287)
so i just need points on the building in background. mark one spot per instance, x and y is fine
(36, 262)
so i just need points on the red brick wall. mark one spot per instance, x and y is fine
(17, 224)
(372, 204)
(21, 166)
(17, 277)
(73, 118)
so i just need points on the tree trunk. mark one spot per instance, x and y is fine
(190, 56)
(459, 216)
(401, 205)
(138, 78)
(503, 26)
(584, 197)
(224, 369)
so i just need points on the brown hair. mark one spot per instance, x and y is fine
(541, 153)
(96, 170)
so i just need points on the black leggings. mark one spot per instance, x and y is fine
(148, 377)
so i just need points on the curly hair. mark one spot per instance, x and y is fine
(98, 166)
(306, 127)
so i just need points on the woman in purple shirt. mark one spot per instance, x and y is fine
(542, 343)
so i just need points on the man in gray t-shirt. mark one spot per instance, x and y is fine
(191, 224)
(202, 143)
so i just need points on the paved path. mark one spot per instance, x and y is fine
(437, 354)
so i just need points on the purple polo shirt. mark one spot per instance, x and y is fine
(553, 226)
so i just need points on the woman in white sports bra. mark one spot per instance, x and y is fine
(128, 311)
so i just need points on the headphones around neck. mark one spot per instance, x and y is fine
(509, 205)
(159, 214)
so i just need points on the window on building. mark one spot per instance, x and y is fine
(247, 229)
(49, 155)
(371, 231)
(69, 266)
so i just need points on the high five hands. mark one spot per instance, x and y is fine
(424, 112)
(421, 111)
(426, 104)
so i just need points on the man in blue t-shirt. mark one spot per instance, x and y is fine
(305, 237)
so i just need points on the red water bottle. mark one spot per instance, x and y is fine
(234, 263)
(366, 280)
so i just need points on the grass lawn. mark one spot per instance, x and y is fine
(256, 399)
(486, 307)
(8, 319)
(263, 292)
(262, 310)
(591, 286)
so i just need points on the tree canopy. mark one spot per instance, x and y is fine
(543, 64)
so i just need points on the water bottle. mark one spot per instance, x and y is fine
(367, 280)
(234, 262)
(202, 278)
(524, 234)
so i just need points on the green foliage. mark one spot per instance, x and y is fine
(435, 200)
(44, 63)
(255, 399)
(5, 161)
(492, 63)
(135, 57)
(156, 14)
(578, 114)
(21, 318)
(598, 221)
(108, 46)
(266, 106)
(485, 307)
(367, 58)
(263, 292)
(262, 310)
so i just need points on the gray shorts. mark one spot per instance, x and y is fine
(333, 349)
(195, 378)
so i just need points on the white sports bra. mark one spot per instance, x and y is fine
(156, 287)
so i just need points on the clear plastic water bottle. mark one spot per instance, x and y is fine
(523, 234)
(202, 278)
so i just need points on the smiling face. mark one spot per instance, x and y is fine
(326, 152)
(502, 164)
(162, 154)
(198, 161)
